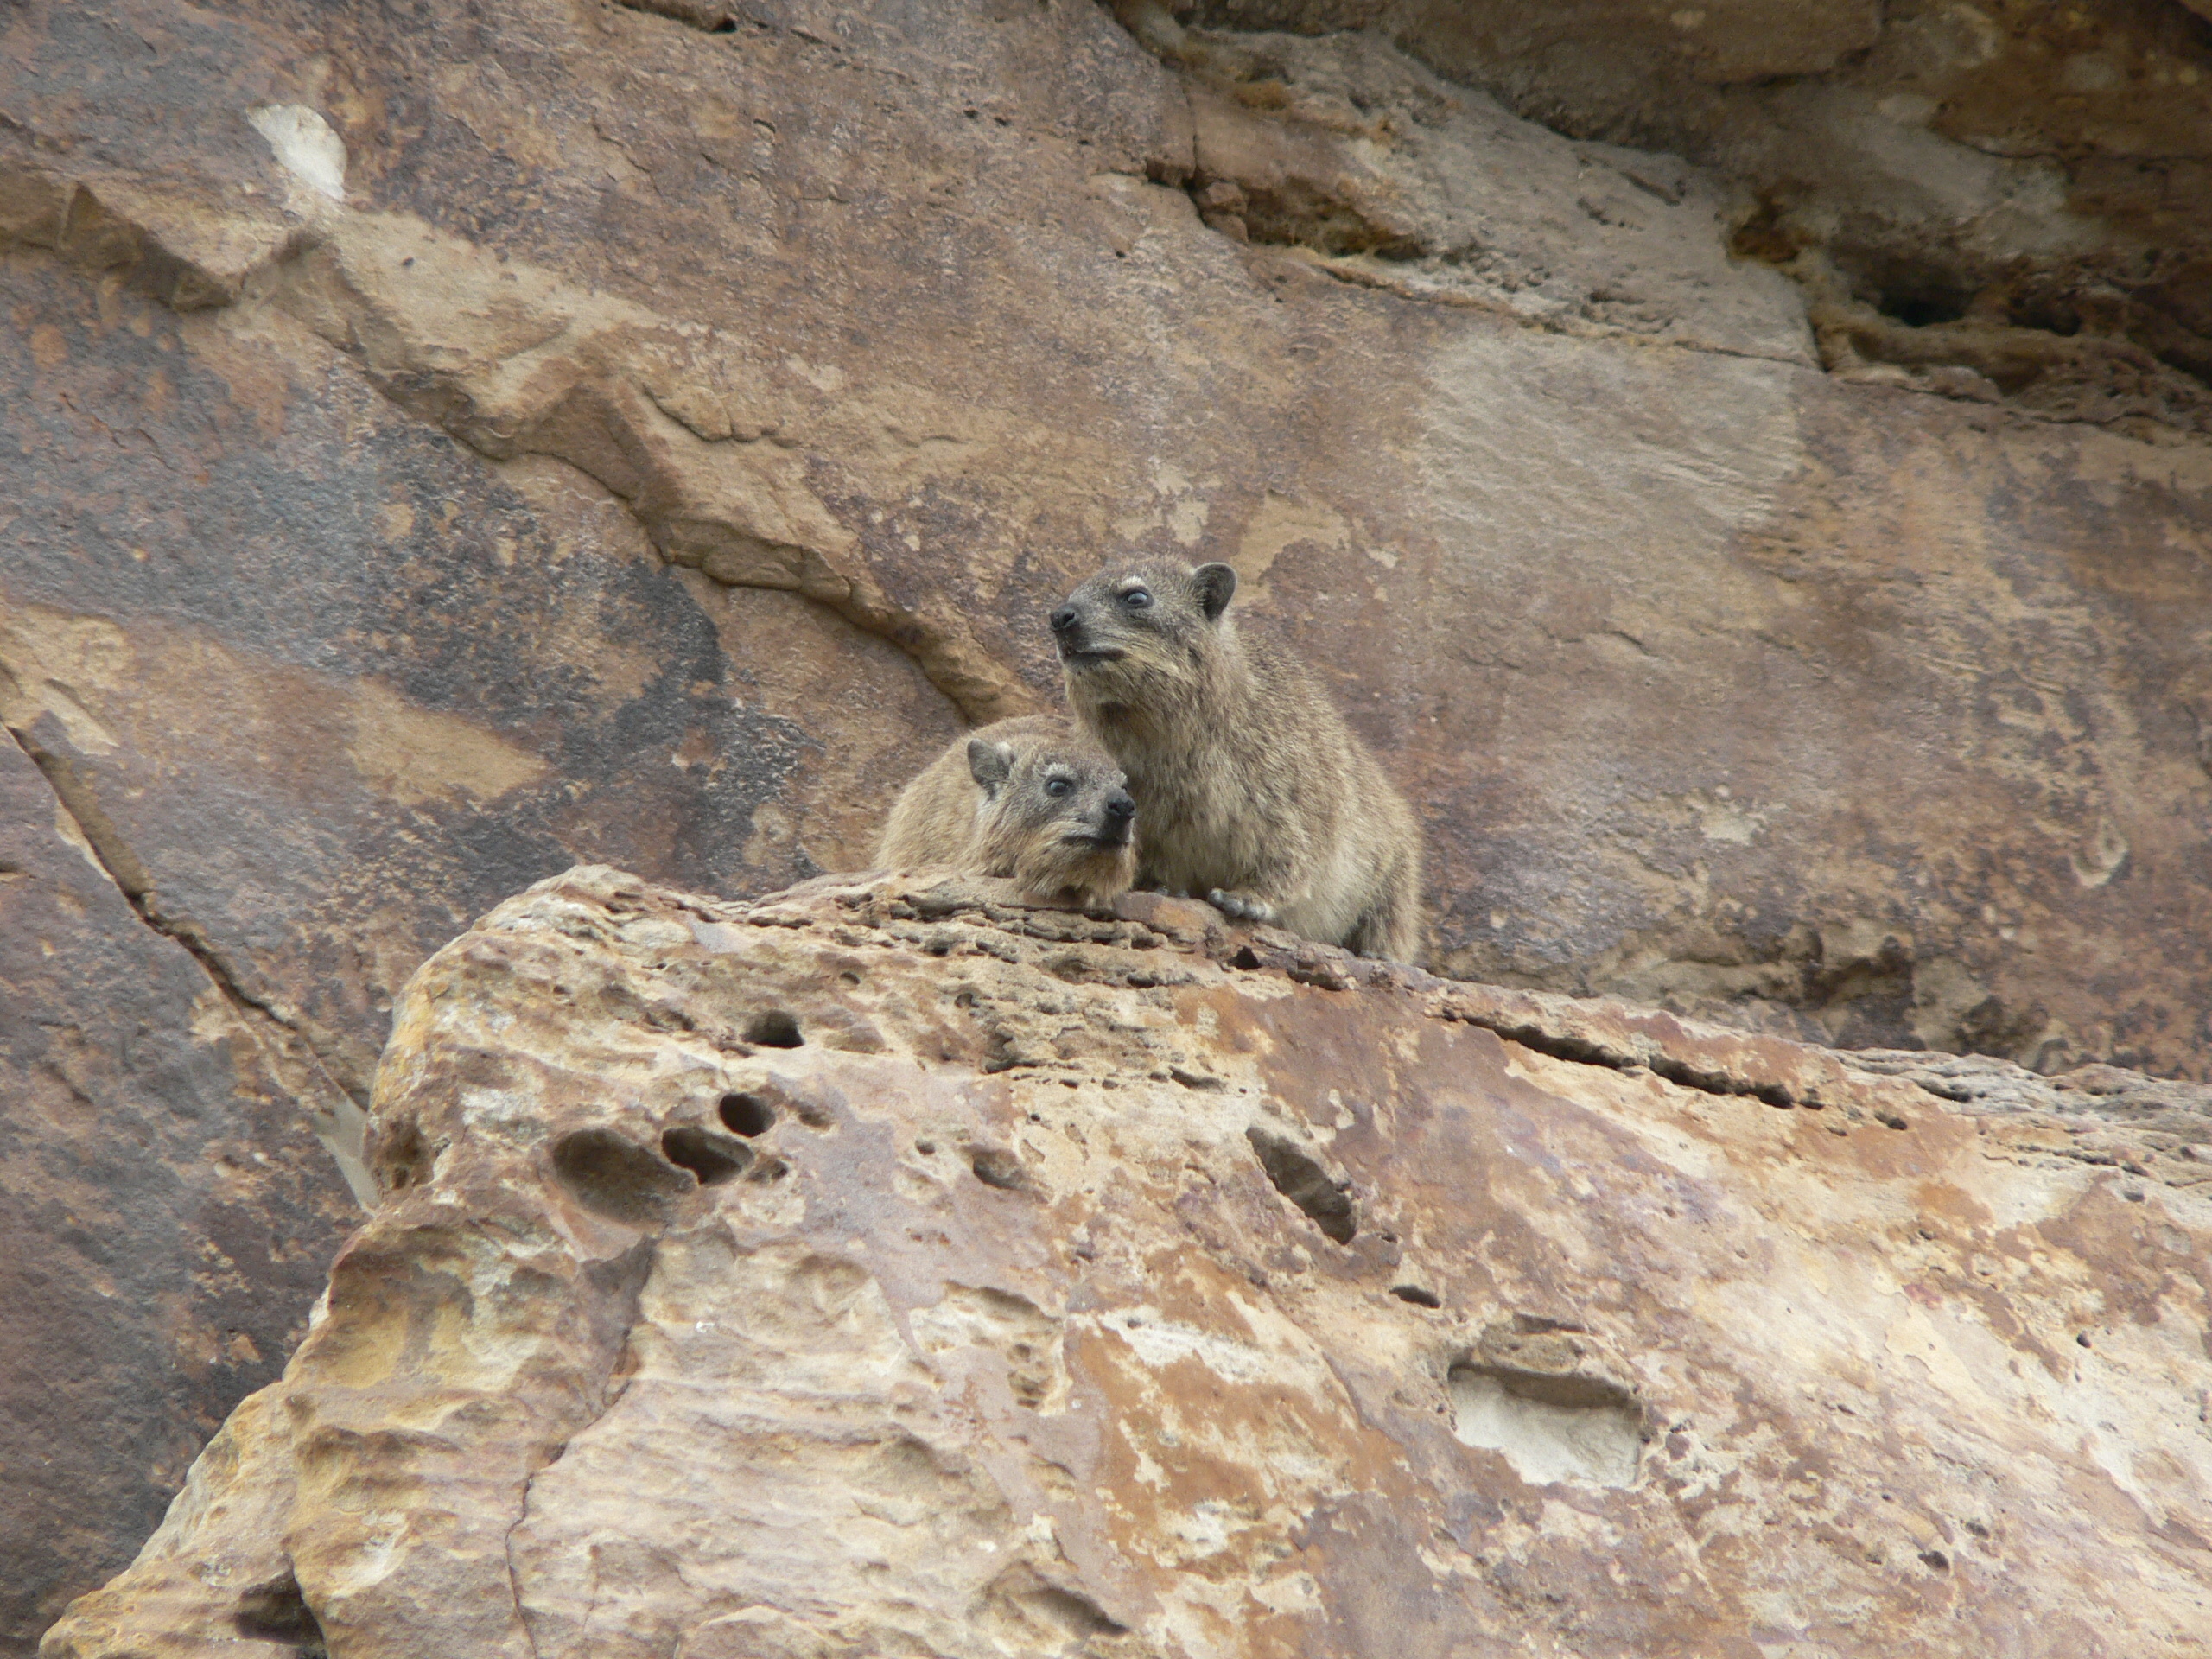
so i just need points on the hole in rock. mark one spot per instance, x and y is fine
(995, 1167)
(403, 1158)
(276, 1612)
(1024, 1612)
(1539, 1324)
(1549, 1427)
(1922, 307)
(773, 1028)
(1416, 1295)
(747, 1114)
(1245, 957)
(2051, 313)
(713, 1158)
(614, 1177)
(1077, 1614)
(1306, 1183)
(1917, 295)
(707, 18)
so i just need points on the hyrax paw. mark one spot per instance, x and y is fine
(1241, 906)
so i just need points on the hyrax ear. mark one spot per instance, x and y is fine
(1216, 585)
(989, 762)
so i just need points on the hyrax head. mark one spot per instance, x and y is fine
(1056, 816)
(1133, 632)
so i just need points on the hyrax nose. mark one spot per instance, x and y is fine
(1120, 808)
(1063, 619)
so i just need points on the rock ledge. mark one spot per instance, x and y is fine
(878, 1269)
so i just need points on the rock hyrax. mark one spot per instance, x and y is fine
(1031, 799)
(1253, 791)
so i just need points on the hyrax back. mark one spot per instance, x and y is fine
(1253, 791)
(1029, 798)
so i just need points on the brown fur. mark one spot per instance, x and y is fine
(1253, 791)
(985, 805)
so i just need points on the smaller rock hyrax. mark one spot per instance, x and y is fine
(1030, 798)
(1253, 791)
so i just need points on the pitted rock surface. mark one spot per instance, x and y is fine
(883, 1269)
(1742, 467)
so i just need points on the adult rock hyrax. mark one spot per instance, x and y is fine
(1030, 798)
(1253, 792)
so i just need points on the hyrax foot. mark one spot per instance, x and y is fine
(1242, 906)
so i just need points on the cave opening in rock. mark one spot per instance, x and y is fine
(1921, 307)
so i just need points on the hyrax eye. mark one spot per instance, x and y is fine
(1058, 786)
(1136, 598)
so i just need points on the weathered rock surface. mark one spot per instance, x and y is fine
(765, 385)
(1994, 200)
(447, 442)
(873, 1270)
(166, 1216)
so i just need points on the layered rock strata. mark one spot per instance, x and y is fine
(877, 1269)
(1992, 200)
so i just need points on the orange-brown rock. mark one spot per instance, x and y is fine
(469, 513)
(166, 1214)
(875, 1269)
(1742, 467)
(1999, 201)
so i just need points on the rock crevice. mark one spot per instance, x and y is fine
(337, 1115)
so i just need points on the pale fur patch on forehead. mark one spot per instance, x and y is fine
(1130, 584)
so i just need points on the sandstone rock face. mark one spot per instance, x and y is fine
(166, 1216)
(765, 415)
(449, 442)
(1989, 200)
(872, 1270)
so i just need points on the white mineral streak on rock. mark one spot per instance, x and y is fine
(305, 146)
